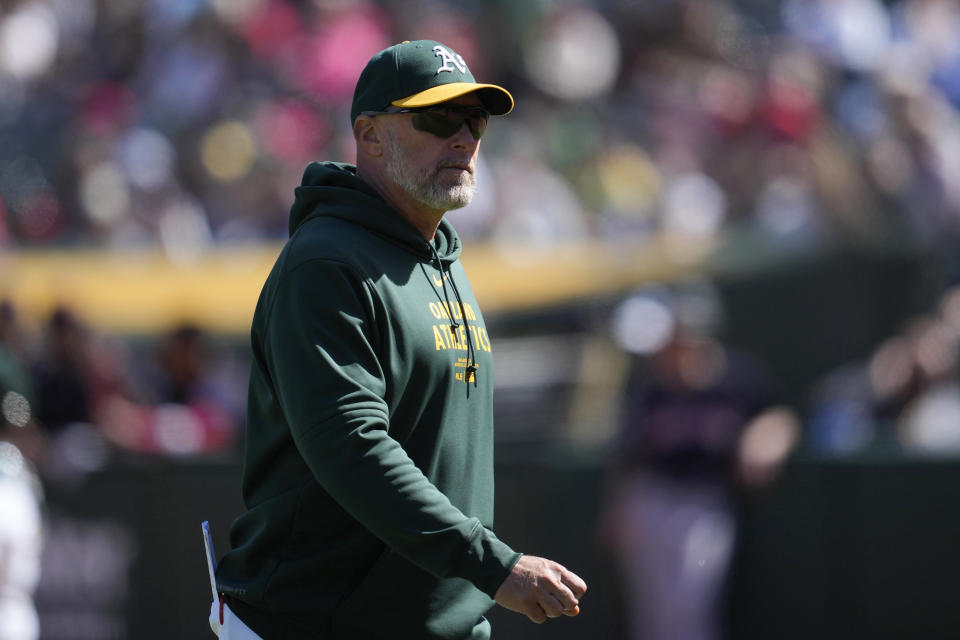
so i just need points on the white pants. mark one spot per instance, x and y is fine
(675, 544)
(232, 627)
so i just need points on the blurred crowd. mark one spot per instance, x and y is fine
(70, 388)
(184, 123)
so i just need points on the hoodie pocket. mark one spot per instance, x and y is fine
(392, 592)
(366, 583)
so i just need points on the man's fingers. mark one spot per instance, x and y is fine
(552, 606)
(564, 597)
(573, 582)
(568, 590)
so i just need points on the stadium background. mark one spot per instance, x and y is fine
(800, 157)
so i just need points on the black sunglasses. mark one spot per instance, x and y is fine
(445, 120)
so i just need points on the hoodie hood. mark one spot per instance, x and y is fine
(333, 189)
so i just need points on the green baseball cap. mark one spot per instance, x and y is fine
(420, 74)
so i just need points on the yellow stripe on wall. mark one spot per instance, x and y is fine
(144, 292)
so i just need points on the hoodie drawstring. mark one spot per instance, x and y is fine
(454, 325)
(471, 351)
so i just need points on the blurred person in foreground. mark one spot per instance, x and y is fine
(698, 420)
(21, 529)
(368, 469)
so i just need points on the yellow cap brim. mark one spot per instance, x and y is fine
(496, 100)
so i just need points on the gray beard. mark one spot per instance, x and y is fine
(426, 186)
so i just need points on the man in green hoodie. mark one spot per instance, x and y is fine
(368, 466)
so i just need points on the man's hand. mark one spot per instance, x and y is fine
(541, 589)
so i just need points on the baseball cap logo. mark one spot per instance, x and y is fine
(410, 75)
(450, 60)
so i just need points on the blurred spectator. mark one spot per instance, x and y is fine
(9, 327)
(62, 374)
(180, 405)
(907, 393)
(699, 420)
(190, 370)
(13, 372)
(183, 357)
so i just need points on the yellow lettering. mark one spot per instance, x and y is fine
(435, 310)
(452, 311)
(438, 339)
(463, 337)
(483, 339)
(475, 330)
(468, 310)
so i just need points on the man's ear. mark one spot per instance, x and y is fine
(368, 136)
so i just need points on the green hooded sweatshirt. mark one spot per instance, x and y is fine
(368, 464)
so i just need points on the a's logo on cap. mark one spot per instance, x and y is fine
(450, 60)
